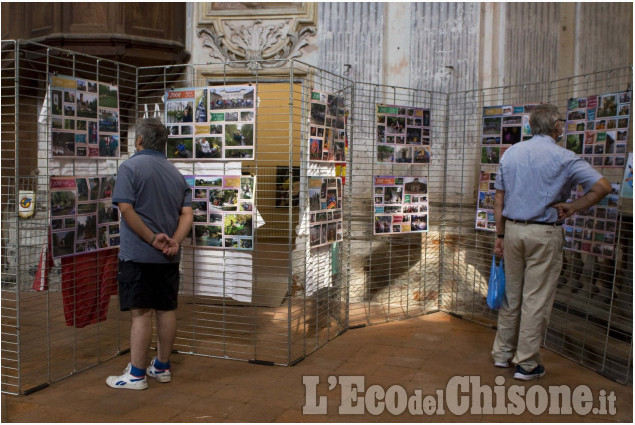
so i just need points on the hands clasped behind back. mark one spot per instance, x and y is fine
(168, 246)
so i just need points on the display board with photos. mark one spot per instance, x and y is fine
(401, 204)
(503, 127)
(403, 134)
(593, 230)
(325, 210)
(597, 128)
(211, 123)
(223, 211)
(84, 118)
(83, 217)
(327, 128)
(485, 203)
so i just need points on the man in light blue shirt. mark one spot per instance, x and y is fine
(533, 182)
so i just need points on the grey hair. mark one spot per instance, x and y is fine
(543, 119)
(154, 134)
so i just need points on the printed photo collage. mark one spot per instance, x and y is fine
(223, 211)
(83, 218)
(486, 191)
(592, 231)
(327, 128)
(401, 205)
(403, 134)
(211, 123)
(597, 128)
(503, 126)
(84, 118)
(325, 210)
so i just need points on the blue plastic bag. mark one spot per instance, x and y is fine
(496, 285)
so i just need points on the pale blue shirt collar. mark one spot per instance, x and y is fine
(147, 151)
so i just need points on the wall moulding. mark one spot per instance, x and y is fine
(237, 73)
(246, 34)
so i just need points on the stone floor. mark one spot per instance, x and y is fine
(423, 354)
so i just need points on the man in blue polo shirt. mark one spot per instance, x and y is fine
(533, 182)
(156, 210)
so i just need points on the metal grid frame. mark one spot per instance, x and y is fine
(284, 321)
(37, 346)
(394, 276)
(320, 293)
(292, 311)
(591, 322)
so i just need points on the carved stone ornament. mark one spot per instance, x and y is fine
(267, 40)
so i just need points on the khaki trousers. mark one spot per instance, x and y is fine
(533, 261)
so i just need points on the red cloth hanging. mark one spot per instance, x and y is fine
(88, 282)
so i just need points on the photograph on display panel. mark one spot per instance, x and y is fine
(485, 202)
(502, 127)
(83, 217)
(327, 128)
(403, 134)
(593, 230)
(401, 204)
(84, 117)
(325, 210)
(211, 123)
(223, 211)
(597, 128)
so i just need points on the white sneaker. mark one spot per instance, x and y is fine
(502, 364)
(161, 375)
(127, 381)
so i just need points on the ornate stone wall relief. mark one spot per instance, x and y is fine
(256, 35)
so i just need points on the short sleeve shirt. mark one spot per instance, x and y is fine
(537, 173)
(157, 191)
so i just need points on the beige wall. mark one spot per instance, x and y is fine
(273, 150)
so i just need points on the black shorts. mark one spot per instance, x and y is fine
(144, 285)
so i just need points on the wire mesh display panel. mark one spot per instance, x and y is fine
(282, 299)
(57, 318)
(324, 272)
(405, 196)
(9, 306)
(395, 263)
(591, 321)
